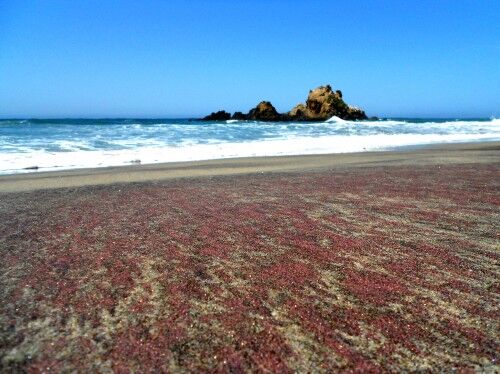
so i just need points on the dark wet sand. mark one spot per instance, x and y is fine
(486, 152)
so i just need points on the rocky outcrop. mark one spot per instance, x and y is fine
(354, 113)
(264, 111)
(221, 115)
(322, 103)
(298, 112)
(239, 116)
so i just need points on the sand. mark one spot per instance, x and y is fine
(364, 262)
(487, 152)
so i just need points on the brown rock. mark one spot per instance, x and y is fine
(221, 115)
(354, 113)
(264, 111)
(322, 103)
(239, 116)
(298, 111)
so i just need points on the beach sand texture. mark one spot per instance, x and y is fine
(381, 262)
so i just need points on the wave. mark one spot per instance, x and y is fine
(335, 119)
(66, 144)
(45, 161)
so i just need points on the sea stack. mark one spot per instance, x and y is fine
(322, 104)
(221, 115)
(264, 111)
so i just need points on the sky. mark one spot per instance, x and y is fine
(187, 58)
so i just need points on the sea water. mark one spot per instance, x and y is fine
(41, 145)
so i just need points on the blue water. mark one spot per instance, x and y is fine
(37, 145)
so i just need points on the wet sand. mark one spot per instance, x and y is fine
(486, 152)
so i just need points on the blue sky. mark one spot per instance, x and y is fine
(187, 58)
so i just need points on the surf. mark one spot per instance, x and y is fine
(38, 145)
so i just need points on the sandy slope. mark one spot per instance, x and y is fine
(391, 265)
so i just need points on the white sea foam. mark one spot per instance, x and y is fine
(336, 119)
(71, 145)
(98, 145)
(190, 151)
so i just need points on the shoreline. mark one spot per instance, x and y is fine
(474, 152)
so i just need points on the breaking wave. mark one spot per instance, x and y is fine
(38, 145)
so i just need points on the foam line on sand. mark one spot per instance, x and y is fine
(485, 152)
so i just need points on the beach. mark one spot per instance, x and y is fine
(474, 152)
(371, 261)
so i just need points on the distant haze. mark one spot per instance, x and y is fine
(189, 58)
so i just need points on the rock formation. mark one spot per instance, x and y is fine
(239, 116)
(221, 115)
(264, 111)
(322, 103)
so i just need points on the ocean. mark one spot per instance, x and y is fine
(56, 144)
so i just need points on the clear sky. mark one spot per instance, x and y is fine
(186, 58)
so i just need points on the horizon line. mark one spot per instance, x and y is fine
(491, 117)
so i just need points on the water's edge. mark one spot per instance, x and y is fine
(46, 145)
